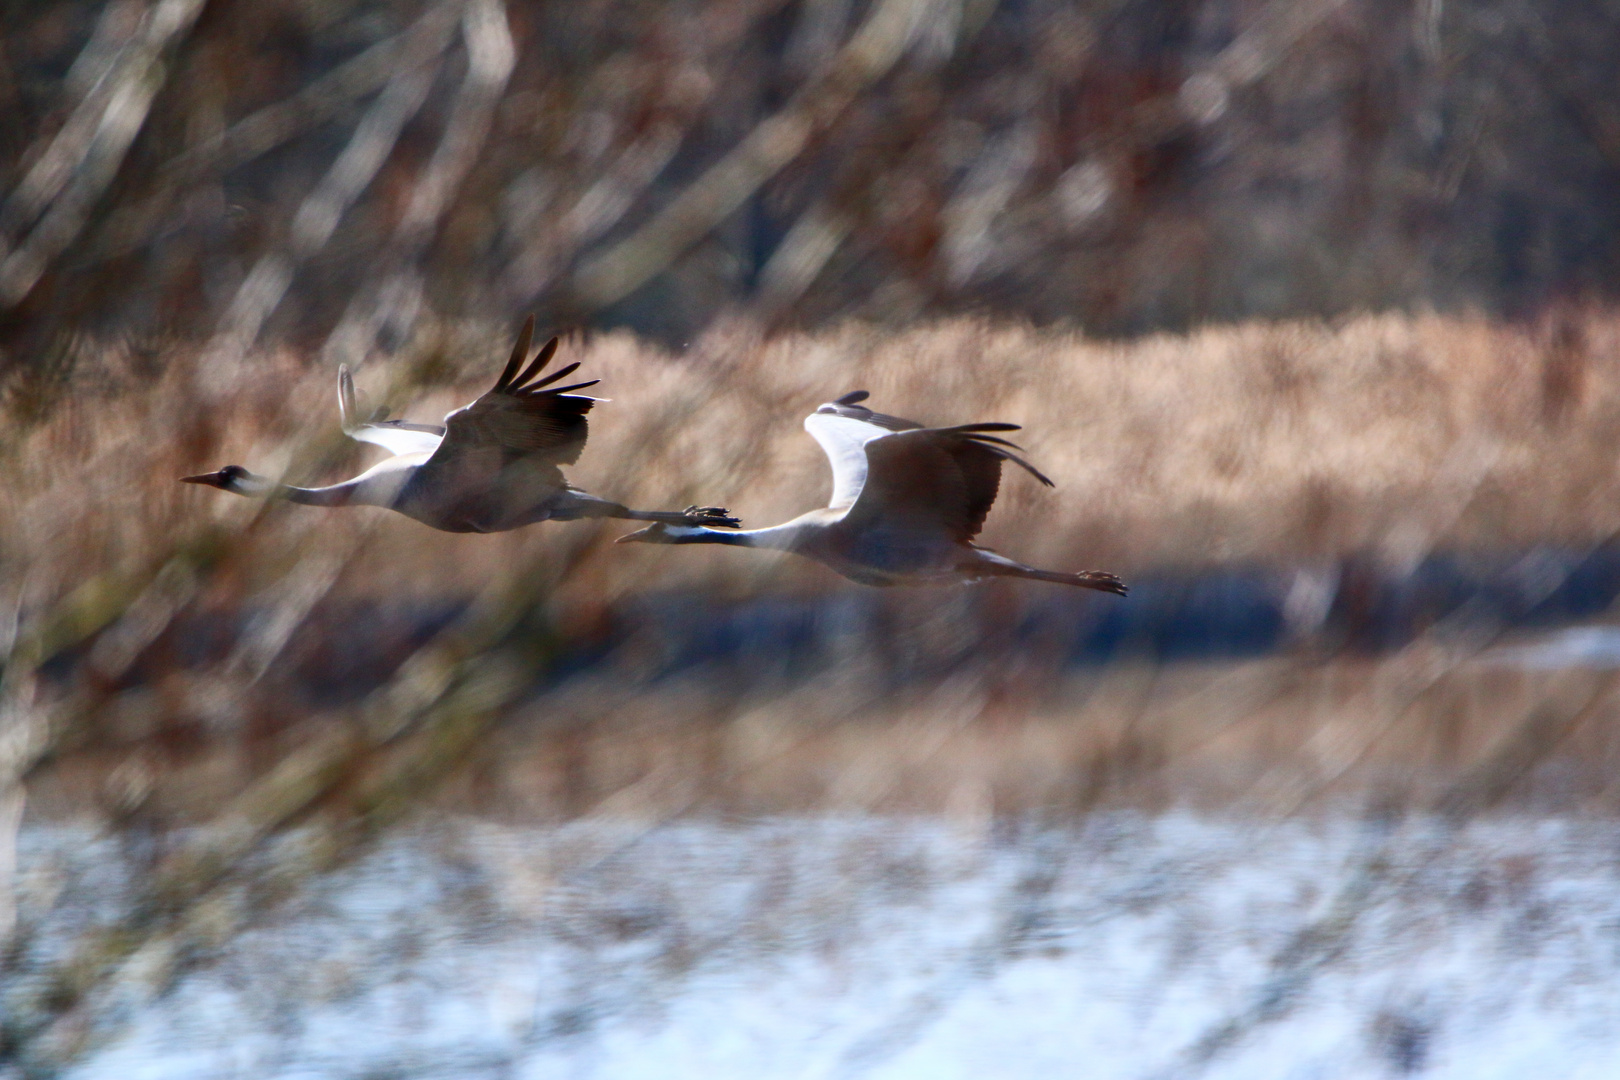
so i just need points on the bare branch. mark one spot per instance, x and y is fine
(878, 45)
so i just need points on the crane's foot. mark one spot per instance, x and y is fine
(1102, 581)
(714, 517)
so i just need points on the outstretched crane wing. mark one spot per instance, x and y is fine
(931, 480)
(522, 416)
(843, 428)
(395, 436)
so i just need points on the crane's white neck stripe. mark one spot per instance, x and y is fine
(780, 537)
(255, 487)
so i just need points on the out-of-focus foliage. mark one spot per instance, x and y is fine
(294, 680)
(174, 625)
(1330, 527)
(1122, 165)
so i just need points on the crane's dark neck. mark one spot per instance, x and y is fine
(778, 537)
(698, 534)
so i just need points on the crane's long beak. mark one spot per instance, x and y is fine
(638, 535)
(211, 479)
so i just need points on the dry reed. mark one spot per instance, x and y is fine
(1279, 443)
(1290, 444)
(1283, 444)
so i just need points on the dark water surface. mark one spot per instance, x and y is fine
(1357, 605)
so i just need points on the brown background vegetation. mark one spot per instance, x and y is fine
(1287, 286)
(1126, 167)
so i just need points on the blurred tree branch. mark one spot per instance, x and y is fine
(76, 169)
(876, 47)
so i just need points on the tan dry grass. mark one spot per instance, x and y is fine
(1280, 443)
(1266, 738)
(1274, 442)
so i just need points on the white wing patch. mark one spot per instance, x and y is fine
(844, 439)
(396, 440)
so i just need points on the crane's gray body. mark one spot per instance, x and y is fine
(491, 466)
(906, 503)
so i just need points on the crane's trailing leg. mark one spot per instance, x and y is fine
(991, 564)
(1085, 579)
(715, 517)
(580, 505)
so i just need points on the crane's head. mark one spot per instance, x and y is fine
(232, 478)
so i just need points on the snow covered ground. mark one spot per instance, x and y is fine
(1127, 945)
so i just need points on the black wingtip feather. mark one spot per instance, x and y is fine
(1032, 470)
(975, 433)
(995, 440)
(519, 351)
(547, 351)
(852, 398)
(561, 373)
